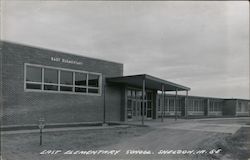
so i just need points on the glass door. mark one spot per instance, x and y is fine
(130, 110)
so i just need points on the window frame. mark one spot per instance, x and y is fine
(59, 69)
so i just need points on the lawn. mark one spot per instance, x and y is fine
(237, 146)
(26, 146)
(233, 147)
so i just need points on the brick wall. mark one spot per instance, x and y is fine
(24, 108)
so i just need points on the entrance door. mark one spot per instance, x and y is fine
(135, 110)
(130, 110)
(134, 105)
(138, 110)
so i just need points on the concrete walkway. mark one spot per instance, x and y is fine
(61, 129)
(217, 125)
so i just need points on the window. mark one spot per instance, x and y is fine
(66, 78)
(129, 109)
(171, 104)
(80, 82)
(93, 80)
(33, 74)
(139, 94)
(196, 105)
(149, 96)
(80, 79)
(149, 109)
(129, 93)
(190, 105)
(215, 106)
(33, 77)
(133, 93)
(66, 81)
(51, 79)
(239, 107)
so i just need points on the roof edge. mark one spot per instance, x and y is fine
(59, 51)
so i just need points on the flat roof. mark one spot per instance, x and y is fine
(150, 82)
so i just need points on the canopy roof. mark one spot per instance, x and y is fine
(150, 82)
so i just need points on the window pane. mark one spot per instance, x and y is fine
(139, 94)
(93, 80)
(50, 75)
(66, 77)
(171, 103)
(80, 79)
(33, 86)
(129, 109)
(133, 93)
(149, 113)
(92, 90)
(83, 90)
(33, 74)
(129, 93)
(51, 87)
(64, 88)
(149, 95)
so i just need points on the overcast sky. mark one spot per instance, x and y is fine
(203, 45)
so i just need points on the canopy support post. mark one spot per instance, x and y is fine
(175, 109)
(163, 97)
(143, 100)
(186, 104)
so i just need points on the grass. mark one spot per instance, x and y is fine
(234, 147)
(238, 145)
(26, 146)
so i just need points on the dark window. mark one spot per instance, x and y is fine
(171, 104)
(149, 113)
(129, 109)
(66, 78)
(80, 79)
(33, 74)
(93, 80)
(196, 105)
(78, 89)
(33, 86)
(50, 76)
(149, 95)
(51, 87)
(65, 88)
(90, 90)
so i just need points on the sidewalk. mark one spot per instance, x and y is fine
(61, 129)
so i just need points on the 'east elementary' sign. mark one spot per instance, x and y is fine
(56, 59)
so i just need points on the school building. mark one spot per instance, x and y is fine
(67, 89)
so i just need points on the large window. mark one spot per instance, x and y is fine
(215, 106)
(196, 105)
(51, 79)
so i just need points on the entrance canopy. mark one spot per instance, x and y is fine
(150, 82)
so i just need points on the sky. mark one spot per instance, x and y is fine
(200, 44)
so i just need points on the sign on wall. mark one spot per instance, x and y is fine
(63, 60)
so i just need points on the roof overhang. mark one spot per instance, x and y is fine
(150, 82)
